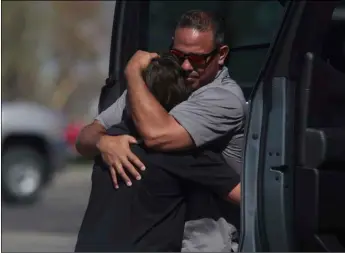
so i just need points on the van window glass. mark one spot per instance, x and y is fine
(334, 44)
(247, 23)
(327, 107)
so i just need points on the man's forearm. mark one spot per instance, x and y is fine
(147, 113)
(88, 139)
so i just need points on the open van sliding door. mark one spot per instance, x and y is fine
(274, 131)
(320, 171)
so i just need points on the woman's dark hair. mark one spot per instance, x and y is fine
(165, 79)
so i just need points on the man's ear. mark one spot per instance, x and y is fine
(223, 53)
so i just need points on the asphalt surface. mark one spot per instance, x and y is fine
(51, 224)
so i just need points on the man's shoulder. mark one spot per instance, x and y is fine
(223, 91)
(223, 86)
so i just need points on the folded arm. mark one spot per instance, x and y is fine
(206, 116)
(155, 125)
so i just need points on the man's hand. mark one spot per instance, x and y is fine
(139, 61)
(116, 152)
(235, 194)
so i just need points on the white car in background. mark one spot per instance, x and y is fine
(33, 149)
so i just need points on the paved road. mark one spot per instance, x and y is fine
(52, 224)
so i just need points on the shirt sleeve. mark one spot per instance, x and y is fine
(212, 113)
(113, 114)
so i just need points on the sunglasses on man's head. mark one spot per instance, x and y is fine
(196, 60)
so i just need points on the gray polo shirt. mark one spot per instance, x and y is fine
(213, 113)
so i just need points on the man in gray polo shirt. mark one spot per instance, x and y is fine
(213, 114)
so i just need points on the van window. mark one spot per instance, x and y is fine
(327, 106)
(248, 23)
(334, 44)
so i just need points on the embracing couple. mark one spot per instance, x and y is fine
(169, 150)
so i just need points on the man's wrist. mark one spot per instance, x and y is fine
(132, 71)
(134, 79)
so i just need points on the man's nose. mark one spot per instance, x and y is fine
(187, 66)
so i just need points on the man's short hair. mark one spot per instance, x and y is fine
(203, 21)
(165, 79)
